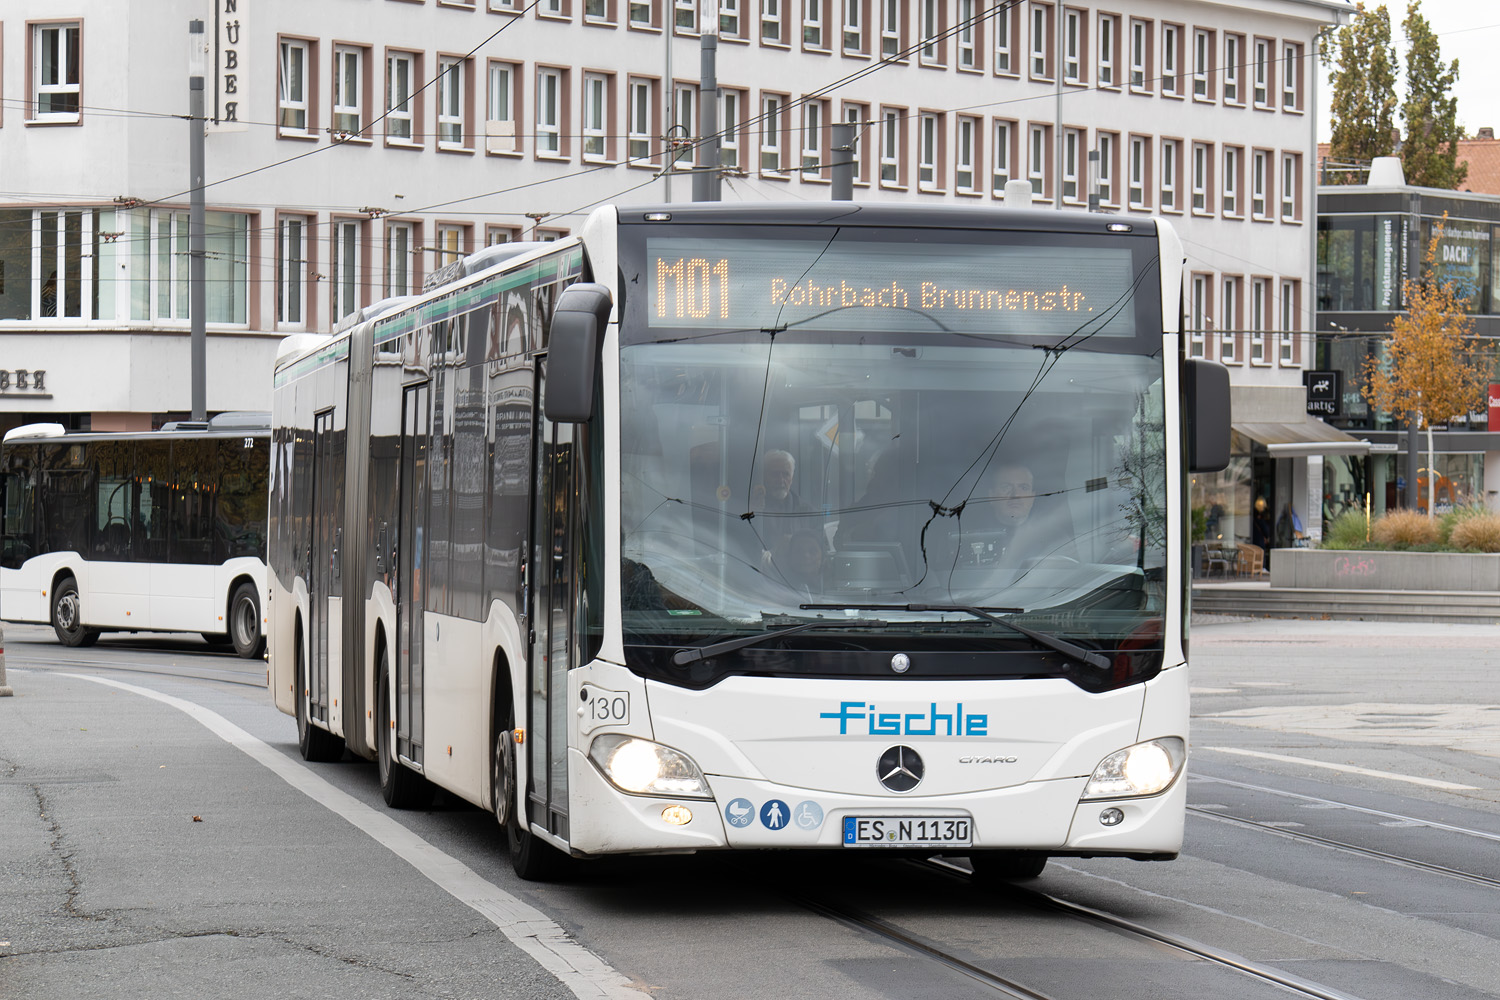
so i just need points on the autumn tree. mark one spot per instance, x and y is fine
(1429, 150)
(1362, 65)
(1430, 365)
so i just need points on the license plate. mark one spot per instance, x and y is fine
(907, 831)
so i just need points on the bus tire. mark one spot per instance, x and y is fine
(400, 786)
(533, 858)
(244, 622)
(316, 745)
(1007, 866)
(67, 616)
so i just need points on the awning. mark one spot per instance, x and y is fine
(1309, 436)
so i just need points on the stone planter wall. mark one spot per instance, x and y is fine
(1333, 569)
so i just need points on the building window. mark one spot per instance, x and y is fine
(1290, 320)
(968, 47)
(1105, 177)
(854, 33)
(451, 245)
(642, 13)
(291, 269)
(400, 81)
(1171, 168)
(1234, 51)
(1039, 147)
(1291, 77)
(496, 235)
(294, 113)
(1072, 46)
(1199, 319)
(348, 86)
(451, 91)
(1004, 34)
(1259, 178)
(927, 152)
(1291, 187)
(502, 98)
(770, 133)
(552, 8)
(1229, 321)
(1002, 157)
(1203, 65)
(1231, 191)
(892, 125)
(1260, 291)
(770, 21)
(1171, 51)
(549, 110)
(964, 167)
(813, 113)
(1140, 56)
(1262, 72)
(595, 116)
(57, 72)
(729, 128)
(1109, 56)
(1071, 143)
(1202, 177)
(400, 243)
(812, 24)
(345, 267)
(1140, 170)
(597, 11)
(729, 18)
(931, 28)
(684, 120)
(1040, 50)
(858, 115)
(891, 24)
(638, 116)
(685, 17)
(159, 264)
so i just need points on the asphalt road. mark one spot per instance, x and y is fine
(141, 854)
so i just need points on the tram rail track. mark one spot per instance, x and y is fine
(237, 678)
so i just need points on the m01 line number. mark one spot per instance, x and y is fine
(599, 707)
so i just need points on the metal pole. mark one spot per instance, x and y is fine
(1093, 180)
(6, 690)
(197, 299)
(843, 161)
(707, 181)
(669, 102)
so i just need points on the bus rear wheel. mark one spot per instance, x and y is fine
(1007, 866)
(244, 622)
(67, 616)
(400, 786)
(315, 744)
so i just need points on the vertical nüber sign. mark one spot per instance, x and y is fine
(230, 43)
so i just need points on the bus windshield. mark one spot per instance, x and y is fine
(784, 464)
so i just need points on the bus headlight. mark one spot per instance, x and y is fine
(1143, 769)
(641, 767)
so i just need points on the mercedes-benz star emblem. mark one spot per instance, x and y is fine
(900, 769)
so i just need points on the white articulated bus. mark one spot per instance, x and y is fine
(737, 527)
(137, 532)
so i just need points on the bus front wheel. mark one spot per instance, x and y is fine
(244, 622)
(533, 858)
(1007, 866)
(67, 616)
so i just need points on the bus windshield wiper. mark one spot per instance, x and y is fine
(683, 657)
(1052, 642)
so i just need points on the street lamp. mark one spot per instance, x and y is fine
(197, 59)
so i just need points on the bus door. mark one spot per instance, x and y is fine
(325, 571)
(549, 579)
(411, 583)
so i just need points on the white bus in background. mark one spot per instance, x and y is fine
(137, 532)
(522, 549)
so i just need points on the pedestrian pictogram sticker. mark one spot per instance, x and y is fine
(774, 814)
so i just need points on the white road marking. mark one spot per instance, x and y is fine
(1472, 728)
(1347, 768)
(585, 974)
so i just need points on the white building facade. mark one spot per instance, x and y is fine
(357, 145)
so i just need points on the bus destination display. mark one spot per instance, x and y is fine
(966, 288)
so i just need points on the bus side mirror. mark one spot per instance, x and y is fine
(573, 347)
(1205, 403)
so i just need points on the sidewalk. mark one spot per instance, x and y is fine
(1257, 598)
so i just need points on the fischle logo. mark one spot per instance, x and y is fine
(860, 718)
